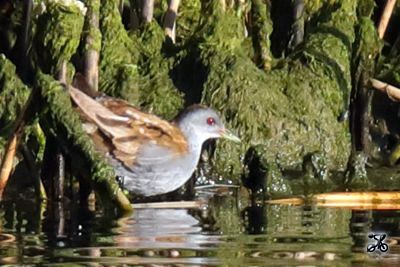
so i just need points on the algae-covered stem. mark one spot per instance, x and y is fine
(91, 66)
(12, 144)
(387, 13)
(30, 161)
(390, 90)
(121, 6)
(59, 179)
(62, 73)
(261, 30)
(25, 39)
(27, 112)
(147, 11)
(92, 44)
(297, 29)
(170, 19)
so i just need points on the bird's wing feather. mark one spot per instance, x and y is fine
(126, 127)
(147, 126)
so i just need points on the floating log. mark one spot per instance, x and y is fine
(287, 201)
(170, 205)
(351, 200)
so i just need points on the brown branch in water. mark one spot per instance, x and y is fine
(60, 162)
(387, 13)
(170, 19)
(27, 113)
(91, 69)
(392, 92)
(60, 177)
(30, 162)
(7, 163)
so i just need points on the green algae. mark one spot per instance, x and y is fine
(287, 117)
(315, 176)
(366, 48)
(58, 31)
(134, 67)
(13, 96)
(262, 177)
(262, 28)
(157, 92)
(93, 11)
(294, 109)
(188, 21)
(60, 121)
(118, 70)
(356, 175)
(10, 25)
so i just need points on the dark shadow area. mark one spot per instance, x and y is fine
(189, 76)
(282, 22)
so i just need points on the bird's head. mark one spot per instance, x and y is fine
(205, 123)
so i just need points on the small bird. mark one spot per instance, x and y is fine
(153, 155)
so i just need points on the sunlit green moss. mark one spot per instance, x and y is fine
(134, 67)
(366, 48)
(93, 10)
(188, 21)
(58, 32)
(10, 25)
(118, 70)
(294, 109)
(60, 120)
(13, 96)
(262, 29)
(157, 92)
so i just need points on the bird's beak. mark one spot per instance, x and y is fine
(227, 134)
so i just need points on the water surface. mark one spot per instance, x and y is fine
(222, 231)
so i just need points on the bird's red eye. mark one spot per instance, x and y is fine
(210, 121)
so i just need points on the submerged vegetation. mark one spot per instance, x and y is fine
(297, 92)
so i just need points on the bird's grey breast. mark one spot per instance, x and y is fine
(159, 170)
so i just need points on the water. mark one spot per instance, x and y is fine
(223, 232)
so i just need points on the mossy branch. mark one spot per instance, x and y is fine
(14, 100)
(261, 30)
(60, 120)
(93, 43)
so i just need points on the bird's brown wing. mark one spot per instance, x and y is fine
(126, 127)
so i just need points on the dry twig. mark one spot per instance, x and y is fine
(170, 19)
(391, 91)
(387, 13)
(7, 162)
